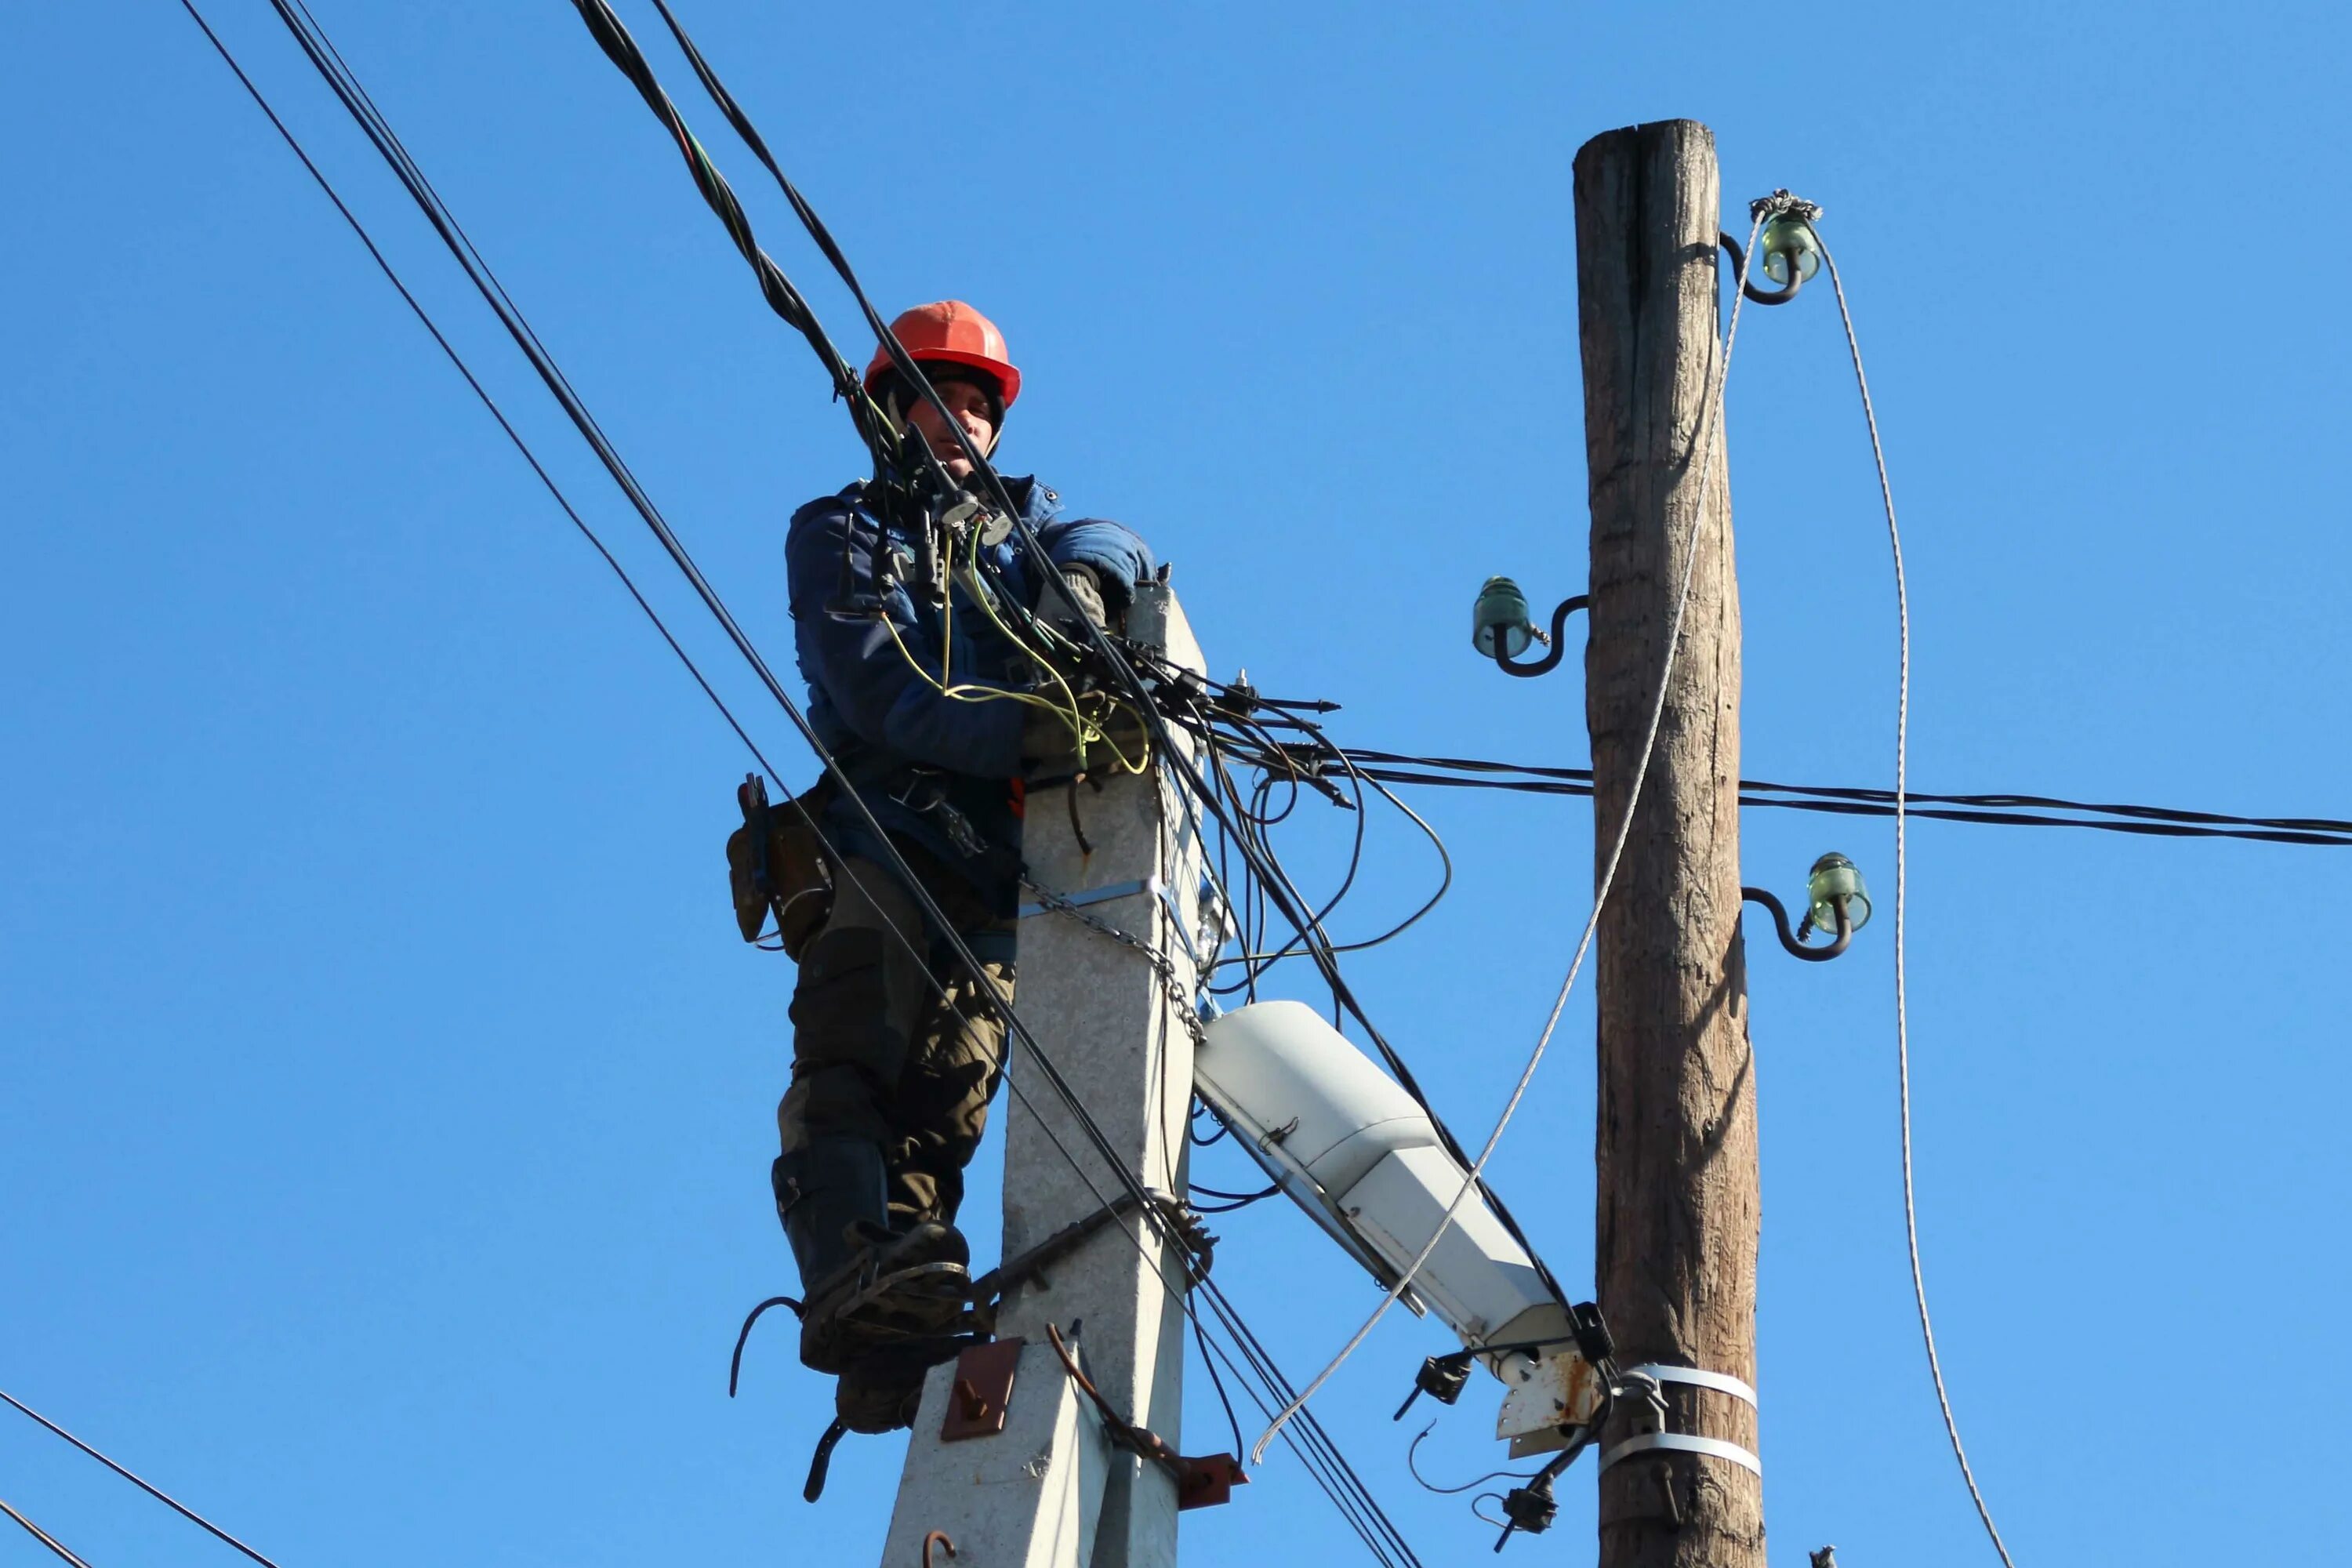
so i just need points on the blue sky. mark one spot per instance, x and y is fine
(389, 1101)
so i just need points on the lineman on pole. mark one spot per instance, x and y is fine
(936, 705)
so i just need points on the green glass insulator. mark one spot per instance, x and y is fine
(1834, 877)
(1502, 610)
(1788, 238)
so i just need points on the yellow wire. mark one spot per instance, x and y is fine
(1082, 730)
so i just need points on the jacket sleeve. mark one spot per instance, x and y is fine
(1118, 556)
(848, 652)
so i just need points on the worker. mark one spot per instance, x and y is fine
(935, 713)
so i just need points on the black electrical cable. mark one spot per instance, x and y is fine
(473, 382)
(1217, 1382)
(1998, 809)
(1243, 1197)
(1360, 778)
(175, 1504)
(59, 1548)
(1412, 1450)
(778, 290)
(1238, 1200)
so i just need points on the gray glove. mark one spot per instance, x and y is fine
(1078, 593)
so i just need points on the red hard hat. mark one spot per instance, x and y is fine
(950, 333)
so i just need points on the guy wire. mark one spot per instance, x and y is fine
(1902, 1023)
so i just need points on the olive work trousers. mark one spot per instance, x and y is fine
(879, 1052)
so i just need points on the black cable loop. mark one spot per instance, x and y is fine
(1781, 296)
(1412, 1450)
(1796, 943)
(1558, 639)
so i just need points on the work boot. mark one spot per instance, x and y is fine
(822, 1191)
(865, 1286)
(882, 1391)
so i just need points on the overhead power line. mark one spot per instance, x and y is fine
(43, 1536)
(182, 1510)
(473, 382)
(2001, 809)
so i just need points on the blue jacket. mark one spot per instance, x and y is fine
(885, 721)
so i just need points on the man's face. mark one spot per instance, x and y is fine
(973, 408)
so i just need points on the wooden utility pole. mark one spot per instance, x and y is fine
(1678, 1193)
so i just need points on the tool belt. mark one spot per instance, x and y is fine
(775, 866)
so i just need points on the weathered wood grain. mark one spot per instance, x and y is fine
(1678, 1201)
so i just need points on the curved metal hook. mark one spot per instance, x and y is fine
(1739, 266)
(1796, 943)
(821, 1460)
(735, 1364)
(1549, 661)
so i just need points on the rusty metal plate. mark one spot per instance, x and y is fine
(1206, 1482)
(983, 1390)
(1551, 1394)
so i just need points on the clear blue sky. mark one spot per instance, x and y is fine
(388, 1103)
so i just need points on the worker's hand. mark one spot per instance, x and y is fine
(1078, 593)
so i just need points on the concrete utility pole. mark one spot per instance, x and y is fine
(1678, 1193)
(1047, 1491)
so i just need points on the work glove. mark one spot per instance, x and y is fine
(1077, 595)
(1049, 746)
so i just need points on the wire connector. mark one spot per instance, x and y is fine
(1780, 203)
(1441, 1377)
(1530, 1508)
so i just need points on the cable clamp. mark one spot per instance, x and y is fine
(1721, 1382)
(1675, 1442)
(1654, 1372)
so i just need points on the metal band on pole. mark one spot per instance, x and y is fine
(1721, 1382)
(1714, 1447)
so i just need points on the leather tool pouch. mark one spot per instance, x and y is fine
(775, 867)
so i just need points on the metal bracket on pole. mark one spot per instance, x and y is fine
(1676, 1442)
(981, 1395)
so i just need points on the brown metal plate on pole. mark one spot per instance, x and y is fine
(983, 1390)
(1206, 1482)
